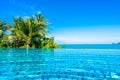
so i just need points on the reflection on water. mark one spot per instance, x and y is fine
(31, 56)
(20, 61)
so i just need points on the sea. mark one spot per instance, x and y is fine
(90, 46)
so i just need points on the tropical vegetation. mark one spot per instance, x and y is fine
(26, 33)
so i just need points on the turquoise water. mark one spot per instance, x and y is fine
(91, 46)
(59, 64)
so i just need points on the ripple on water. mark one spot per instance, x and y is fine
(59, 64)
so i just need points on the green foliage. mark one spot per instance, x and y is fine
(26, 33)
(49, 43)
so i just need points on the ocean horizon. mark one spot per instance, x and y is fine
(90, 46)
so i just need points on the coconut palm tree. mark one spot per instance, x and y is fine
(3, 31)
(3, 28)
(29, 31)
(25, 33)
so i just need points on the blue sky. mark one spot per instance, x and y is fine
(72, 21)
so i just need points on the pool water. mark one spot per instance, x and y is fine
(59, 64)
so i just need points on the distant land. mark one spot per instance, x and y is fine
(116, 43)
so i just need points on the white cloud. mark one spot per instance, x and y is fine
(39, 12)
(25, 17)
(67, 40)
(100, 34)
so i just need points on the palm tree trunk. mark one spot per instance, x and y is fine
(28, 43)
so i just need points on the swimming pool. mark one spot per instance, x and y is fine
(59, 64)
